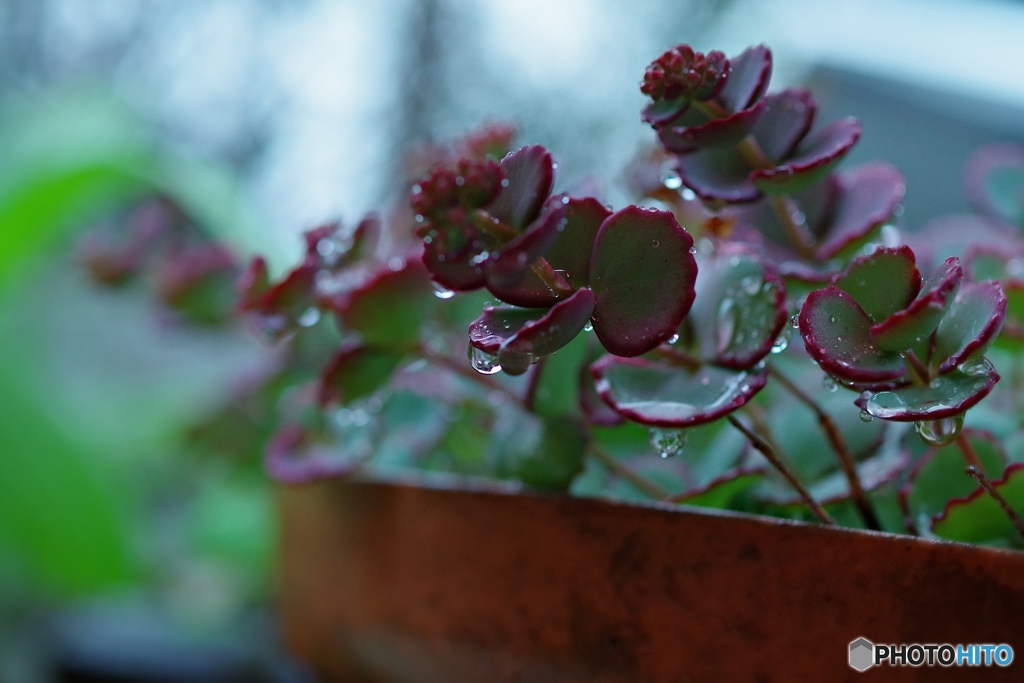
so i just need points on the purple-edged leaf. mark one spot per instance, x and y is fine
(739, 311)
(748, 78)
(670, 396)
(355, 372)
(946, 396)
(836, 334)
(387, 310)
(725, 132)
(978, 518)
(867, 198)
(454, 259)
(815, 158)
(970, 324)
(518, 337)
(883, 282)
(909, 327)
(815, 202)
(787, 118)
(718, 174)
(529, 172)
(507, 267)
(664, 111)
(954, 235)
(938, 477)
(994, 181)
(596, 411)
(574, 246)
(642, 274)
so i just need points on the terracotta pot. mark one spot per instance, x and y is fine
(391, 582)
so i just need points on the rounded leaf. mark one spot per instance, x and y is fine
(355, 372)
(815, 158)
(507, 267)
(722, 132)
(978, 518)
(970, 324)
(836, 334)
(994, 180)
(946, 396)
(787, 117)
(907, 328)
(748, 78)
(867, 197)
(883, 282)
(388, 309)
(670, 396)
(529, 173)
(642, 273)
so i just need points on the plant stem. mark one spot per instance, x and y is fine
(920, 374)
(469, 373)
(541, 268)
(835, 437)
(766, 450)
(612, 463)
(970, 455)
(975, 472)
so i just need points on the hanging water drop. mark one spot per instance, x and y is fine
(671, 180)
(794, 321)
(781, 342)
(693, 249)
(667, 442)
(655, 244)
(442, 292)
(975, 368)
(673, 339)
(865, 416)
(829, 384)
(483, 362)
(940, 432)
(589, 327)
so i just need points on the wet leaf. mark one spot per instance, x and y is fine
(725, 132)
(883, 282)
(642, 274)
(668, 396)
(787, 118)
(946, 396)
(739, 311)
(718, 174)
(970, 324)
(388, 310)
(910, 327)
(508, 266)
(722, 491)
(520, 337)
(979, 518)
(836, 334)
(530, 173)
(867, 197)
(555, 385)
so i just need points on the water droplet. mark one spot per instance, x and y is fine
(655, 244)
(940, 432)
(693, 249)
(667, 442)
(673, 339)
(442, 292)
(565, 200)
(419, 219)
(504, 182)
(794, 321)
(554, 165)
(309, 317)
(865, 416)
(483, 256)
(829, 384)
(781, 342)
(483, 362)
(832, 319)
(589, 327)
(975, 368)
(726, 323)
(688, 194)
(671, 180)
(396, 263)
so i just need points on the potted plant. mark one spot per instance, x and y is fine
(695, 355)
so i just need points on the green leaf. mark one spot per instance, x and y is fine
(946, 396)
(556, 386)
(980, 519)
(721, 492)
(357, 372)
(883, 282)
(939, 476)
(971, 323)
(670, 396)
(388, 310)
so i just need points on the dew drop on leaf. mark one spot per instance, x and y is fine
(693, 249)
(794, 321)
(975, 368)
(671, 180)
(655, 244)
(667, 442)
(865, 416)
(589, 327)
(829, 384)
(442, 292)
(781, 342)
(673, 339)
(483, 362)
(940, 432)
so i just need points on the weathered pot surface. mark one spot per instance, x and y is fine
(398, 582)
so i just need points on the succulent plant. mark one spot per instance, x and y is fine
(644, 352)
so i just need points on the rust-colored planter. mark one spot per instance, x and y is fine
(397, 582)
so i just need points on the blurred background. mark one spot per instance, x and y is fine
(129, 548)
